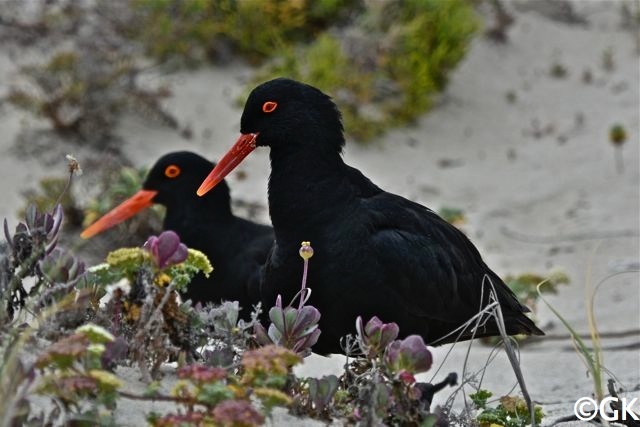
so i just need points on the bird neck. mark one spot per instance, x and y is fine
(305, 189)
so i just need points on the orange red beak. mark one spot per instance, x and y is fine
(245, 144)
(125, 210)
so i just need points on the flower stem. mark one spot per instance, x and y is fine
(304, 284)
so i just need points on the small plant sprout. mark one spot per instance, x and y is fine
(617, 137)
(169, 258)
(37, 236)
(295, 329)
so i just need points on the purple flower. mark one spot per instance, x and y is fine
(166, 249)
(410, 354)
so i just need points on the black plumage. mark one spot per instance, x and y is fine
(236, 247)
(376, 253)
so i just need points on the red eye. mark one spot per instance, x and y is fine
(269, 106)
(172, 171)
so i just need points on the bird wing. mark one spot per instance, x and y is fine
(433, 265)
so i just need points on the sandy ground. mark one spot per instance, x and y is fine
(535, 177)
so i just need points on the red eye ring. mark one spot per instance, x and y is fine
(172, 171)
(269, 106)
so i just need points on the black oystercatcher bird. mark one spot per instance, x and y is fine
(236, 247)
(376, 253)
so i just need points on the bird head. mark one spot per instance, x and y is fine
(170, 182)
(286, 116)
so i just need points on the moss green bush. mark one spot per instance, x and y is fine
(82, 91)
(383, 61)
(386, 68)
(197, 30)
(431, 39)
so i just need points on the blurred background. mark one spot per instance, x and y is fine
(516, 120)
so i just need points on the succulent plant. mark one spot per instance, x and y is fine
(268, 366)
(295, 329)
(225, 316)
(38, 234)
(201, 374)
(33, 239)
(322, 390)
(410, 354)
(375, 336)
(236, 412)
(60, 266)
(166, 249)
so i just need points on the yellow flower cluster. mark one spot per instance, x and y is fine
(127, 256)
(200, 261)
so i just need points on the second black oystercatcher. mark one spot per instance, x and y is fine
(236, 247)
(376, 253)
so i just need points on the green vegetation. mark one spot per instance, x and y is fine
(82, 92)
(198, 30)
(617, 137)
(387, 67)
(510, 412)
(73, 375)
(525, 286)
(232, 381)
(147, 325)
(384, 62)
(453, 216)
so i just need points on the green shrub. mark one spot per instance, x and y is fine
(431, 38)
(512, 411)
(81, 92)
(386, 68)
(199, 30)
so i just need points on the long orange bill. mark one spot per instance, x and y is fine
(134, 204)
(241, 149)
